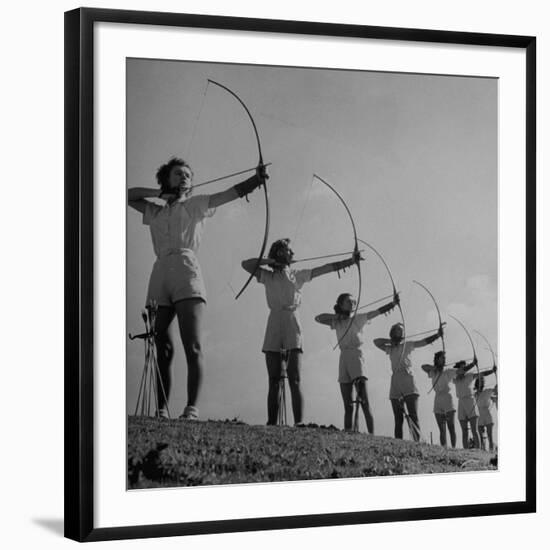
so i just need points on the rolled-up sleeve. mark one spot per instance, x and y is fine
(302, 276)
(198, 207)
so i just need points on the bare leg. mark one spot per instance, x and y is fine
(451, 426)
(481, 430)
(190, 314)
(361, 385)
(441, 420)
(475, 435)
(490, 437)
(165, 354)
(273, 361)
(397, 407)
(293, 372)
(346, 390)
(464, 427)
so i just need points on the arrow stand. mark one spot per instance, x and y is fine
(357, 406)
(147, 400)
(414, 428)
(281, 401)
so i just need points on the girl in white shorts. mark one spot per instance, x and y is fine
(444, 407)
(403, 391)
(283, 290)
(176, 286)
(351, 368)
(485, 405)
(468, 412)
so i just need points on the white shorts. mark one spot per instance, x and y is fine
(402, 384)
(175, 277)
(467, 408)
(283, 331)
(351, 365)
(443, 403)
(485, 416)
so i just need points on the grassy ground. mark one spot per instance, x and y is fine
(168, 453)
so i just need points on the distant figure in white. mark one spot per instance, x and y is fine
(403, 390)
(283, 290)
(351, 366)
(444, 405)
(485, 402)
(176, 283)
(468, 412)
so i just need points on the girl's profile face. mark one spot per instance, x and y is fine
(285, 255)
(180, 179)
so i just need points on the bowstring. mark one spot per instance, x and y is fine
(196, 123)
(300, 218)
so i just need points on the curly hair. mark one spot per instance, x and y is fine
(338, 305)
(276, 247)
(163, 173)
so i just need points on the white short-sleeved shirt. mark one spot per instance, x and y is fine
(464, 385)
(442, 379)
(353, 338)
(177, 226)
(283, 289)
(400, 357)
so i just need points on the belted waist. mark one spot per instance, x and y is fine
(176, 252)
(283, 308)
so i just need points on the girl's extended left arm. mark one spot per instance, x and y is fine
(336, 266)
(240, 190)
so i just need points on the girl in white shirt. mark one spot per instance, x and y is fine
(403, 390)
(176, 286)
(351, 368)
(444, 406)
(283, 335)
(485, 403)
(468, 412)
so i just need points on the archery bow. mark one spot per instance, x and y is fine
(492, 354)
(395, 293)
(440, 328)
(355, 251)
(260, 163)
(490, 349)
(474, 352)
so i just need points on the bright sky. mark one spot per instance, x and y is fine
(415, 159)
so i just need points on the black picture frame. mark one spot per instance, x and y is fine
(79, 269)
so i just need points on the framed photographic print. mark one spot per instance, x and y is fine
(297, 258)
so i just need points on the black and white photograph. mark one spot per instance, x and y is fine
(274, 274)
(312, 278)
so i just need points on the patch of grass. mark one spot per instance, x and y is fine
(169, 453)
